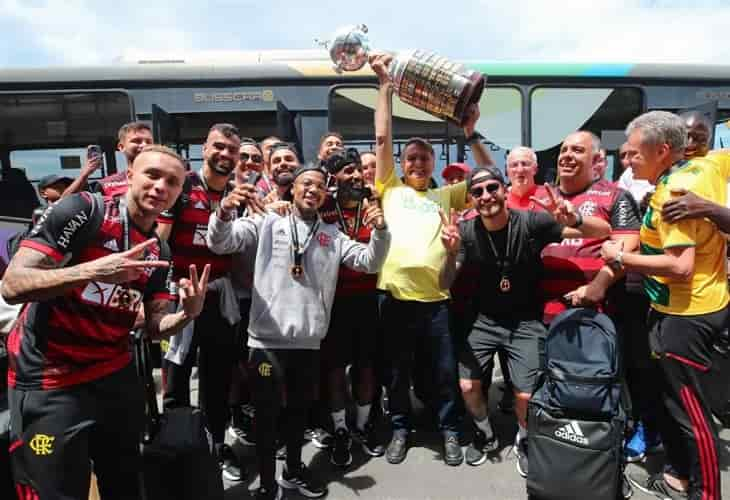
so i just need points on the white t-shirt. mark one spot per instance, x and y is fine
(637, 187)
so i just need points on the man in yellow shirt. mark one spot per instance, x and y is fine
(413, 307)
(686, 281)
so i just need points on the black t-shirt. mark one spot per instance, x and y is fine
(518, 261)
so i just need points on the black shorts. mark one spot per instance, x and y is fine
(518, 339)
(352, 335)
(55, 433)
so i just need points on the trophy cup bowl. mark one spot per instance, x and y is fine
(420, 78)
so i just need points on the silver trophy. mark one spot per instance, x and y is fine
(422, 79)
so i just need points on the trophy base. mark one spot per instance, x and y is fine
(471, 94)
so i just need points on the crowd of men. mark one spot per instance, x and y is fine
(275, 275)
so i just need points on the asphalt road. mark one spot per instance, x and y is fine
(424, 476)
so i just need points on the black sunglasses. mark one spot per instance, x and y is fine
(254, 157)
(478, 191)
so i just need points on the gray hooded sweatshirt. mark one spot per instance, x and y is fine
(289, 312)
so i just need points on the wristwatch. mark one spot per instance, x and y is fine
(617, 263)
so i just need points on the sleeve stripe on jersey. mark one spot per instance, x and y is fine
(44, 249)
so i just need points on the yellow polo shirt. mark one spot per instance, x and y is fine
(707, 291)
(411, 270)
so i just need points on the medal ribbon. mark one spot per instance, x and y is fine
(502, 259)
(296, 247)
(343, 225)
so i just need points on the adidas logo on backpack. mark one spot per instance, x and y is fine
(571, 432)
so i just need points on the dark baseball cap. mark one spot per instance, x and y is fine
(485, 174)
(49, 180)
(310, 167)
(341, 158)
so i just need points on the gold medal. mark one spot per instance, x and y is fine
(505, 285)
(297, 271)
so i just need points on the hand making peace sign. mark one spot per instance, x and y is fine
(561, 209)
(450, 236)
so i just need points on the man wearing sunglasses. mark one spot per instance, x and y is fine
(413, 305)
(502, 248)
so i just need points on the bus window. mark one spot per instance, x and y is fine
(722, 133)
(47, 120)
(351, 113)
(556, 112)
(38, 163)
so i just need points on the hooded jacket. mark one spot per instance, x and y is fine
(289, 312)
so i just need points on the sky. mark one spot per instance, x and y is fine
(78, 32)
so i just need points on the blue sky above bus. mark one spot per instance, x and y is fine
(41, 33)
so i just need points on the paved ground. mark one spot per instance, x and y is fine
(424, 476)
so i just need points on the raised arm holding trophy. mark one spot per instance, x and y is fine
(420, 78)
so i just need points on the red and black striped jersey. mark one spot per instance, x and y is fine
(189, 217)
(111, 185)
(83, 334)
(575, 261)
(349, 282)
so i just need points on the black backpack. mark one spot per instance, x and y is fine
(577, 415)
(580, 365)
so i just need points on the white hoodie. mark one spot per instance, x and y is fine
(289, 312)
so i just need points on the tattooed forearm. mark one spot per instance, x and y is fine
(160, 322)
(33, 276)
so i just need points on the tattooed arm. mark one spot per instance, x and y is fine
(161, 323)
(33, 276)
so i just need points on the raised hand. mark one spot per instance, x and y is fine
(379, 64)
(450, 236)
(561, 209)
(123, 267)
(192, 291)
(472, 117)
(373, 214)
(243, 194)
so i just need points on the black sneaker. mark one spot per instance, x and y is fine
(656, 485)
(274, 493)
(241, 428)
(340, 453)
(452, 450)
(319, 437)
(281, 451)
(520, 451)
(368, 439)
(302, 481)
(481, 446)
(230, 466)
(398, 448)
